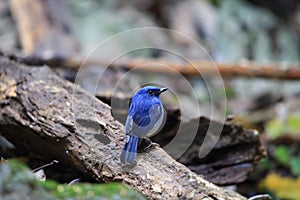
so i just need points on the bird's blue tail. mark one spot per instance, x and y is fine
(129, 151)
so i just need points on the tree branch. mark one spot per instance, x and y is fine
(205, 68)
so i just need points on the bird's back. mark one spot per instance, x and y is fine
(145, 116)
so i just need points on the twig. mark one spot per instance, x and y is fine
(44, 166)
(74, 181)
(261, 197)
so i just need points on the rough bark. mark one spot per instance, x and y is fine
(232, 158)
(57, 120)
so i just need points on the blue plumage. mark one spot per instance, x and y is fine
(145, 116)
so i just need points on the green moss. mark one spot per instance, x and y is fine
(18, 182)
(277, 127)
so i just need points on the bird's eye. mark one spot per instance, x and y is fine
(150, 91)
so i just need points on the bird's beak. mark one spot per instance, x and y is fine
(163, 90)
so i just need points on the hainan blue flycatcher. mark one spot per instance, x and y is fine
(145, 117)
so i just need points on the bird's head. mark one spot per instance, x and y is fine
(150, 91)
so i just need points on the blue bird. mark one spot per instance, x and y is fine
(145, 117)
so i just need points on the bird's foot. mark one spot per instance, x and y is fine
(146, 144)
(151, 145)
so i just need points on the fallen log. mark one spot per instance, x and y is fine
(57, 120)
(235, 154)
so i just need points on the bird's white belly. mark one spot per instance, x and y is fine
(157, 124)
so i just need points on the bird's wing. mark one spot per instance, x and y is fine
(138, 116)
(128, 125)
(155, 118)
(142, 119)
(138, 127)
(141, 122)
(140, 113)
